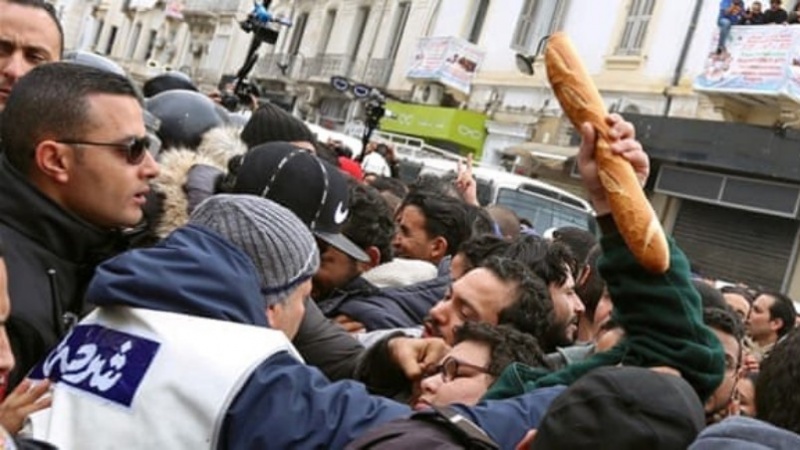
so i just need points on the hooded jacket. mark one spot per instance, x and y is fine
(284, 404)
(745, 433)
(50, 256)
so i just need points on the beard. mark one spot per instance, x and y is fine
(557, 335)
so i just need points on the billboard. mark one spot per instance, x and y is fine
(450, 61)
(465, 128)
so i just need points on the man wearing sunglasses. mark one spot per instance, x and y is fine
(75, 172)
(30, 35)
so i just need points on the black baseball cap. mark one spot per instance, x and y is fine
(623, 408)
(311, 188)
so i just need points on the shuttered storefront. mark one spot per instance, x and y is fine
(736, 245)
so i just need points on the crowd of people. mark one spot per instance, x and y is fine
(735, 12)
(173, 276)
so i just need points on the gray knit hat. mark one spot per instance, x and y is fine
(280, 245)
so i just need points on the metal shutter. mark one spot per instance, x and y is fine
(734, 245)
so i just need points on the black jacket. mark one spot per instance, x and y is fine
(50, 257)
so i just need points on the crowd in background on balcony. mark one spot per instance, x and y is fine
(735, 12)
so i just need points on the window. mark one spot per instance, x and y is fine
(112, 36)
(639, 13)
(151, 44)
(537, 19)
(134, 40)
(297, 35)
(97, 34)
(327, 29)
(359, 26)
(478, 18)
(400, 20)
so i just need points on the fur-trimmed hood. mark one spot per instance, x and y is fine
(174, 184)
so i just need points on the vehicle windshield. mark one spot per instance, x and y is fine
(544, 213)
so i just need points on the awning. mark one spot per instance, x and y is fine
(551, 155)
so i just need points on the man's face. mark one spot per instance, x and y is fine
(755, 7)
(720, 399)
(102, 187)
(411, 240)
(604, 308)
(775, 5)
(336, 269)
(738, 303)
(6, 356)
(478, 296)
(464, 379)
(759, 325)
(28, 38)
(288, 315)
(747, 397)
(567, 310)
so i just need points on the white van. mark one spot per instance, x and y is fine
(541, 204)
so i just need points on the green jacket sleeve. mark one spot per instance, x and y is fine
(662, 318)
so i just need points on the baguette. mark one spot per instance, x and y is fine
(581, 102)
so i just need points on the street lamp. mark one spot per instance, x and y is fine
(525, 62)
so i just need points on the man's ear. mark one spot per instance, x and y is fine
(438, 247)
(775, 324)
(273, 315)
(53, 161)
(374, 258)
(584, 275)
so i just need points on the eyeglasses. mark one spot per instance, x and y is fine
(134, 148)
(449, 368)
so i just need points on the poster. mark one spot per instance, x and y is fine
(450, 61)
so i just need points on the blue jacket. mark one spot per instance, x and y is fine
(285, 404)
(744, 433)
(380, 309)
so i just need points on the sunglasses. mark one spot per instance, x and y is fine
(135, 148)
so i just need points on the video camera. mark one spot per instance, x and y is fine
(260, 22)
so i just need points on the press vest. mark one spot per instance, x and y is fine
(142, 379)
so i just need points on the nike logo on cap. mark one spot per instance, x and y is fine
(341, 214)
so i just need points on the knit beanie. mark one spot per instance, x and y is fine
(271, 123)
(282, 249)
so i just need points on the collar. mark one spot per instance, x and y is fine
(29, 212)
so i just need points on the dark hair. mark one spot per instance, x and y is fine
(479, 220)
(530, 313)
(51, 11)
(782, 308)
(433, 183)
(724, 320)
(710, 297)
(579, 241)
(738, 290)
(326, 153)
(370, 223)
(479, 248)
(51, 101)
(506, 345)
(591, 290)
(777, 396)
(548, 260)
(392, 185)
(444, 216)
(506, 219)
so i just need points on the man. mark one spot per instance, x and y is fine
(728, 328)
(771, 318)
(162, 371)
(75, 172)
(430, 227)
(480, 354)
(660, 313)
(30, 35)
(730, 13)
(344, 287)
(775, 14)
(555, 265)
(753, 15)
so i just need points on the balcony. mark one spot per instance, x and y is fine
(269, 67)
(212, 6)
(761, 69)
(322, 68)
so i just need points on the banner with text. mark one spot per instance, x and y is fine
(760, 60)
